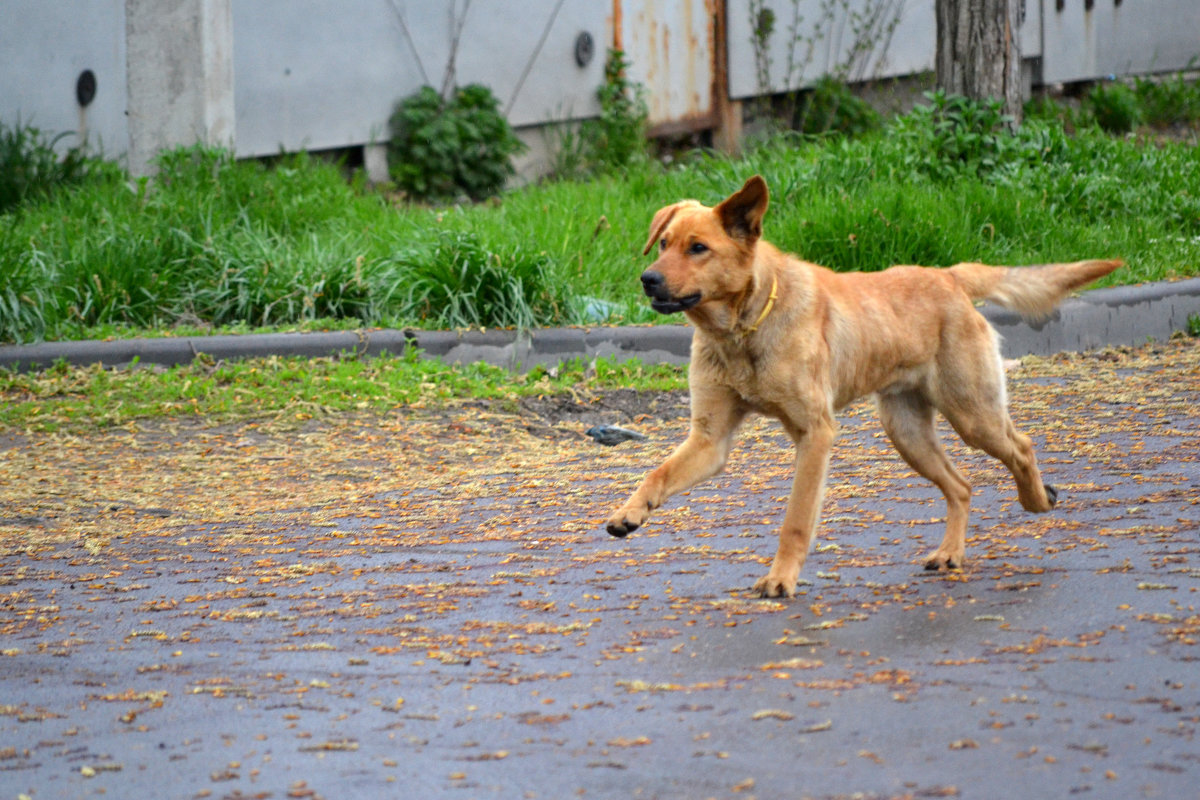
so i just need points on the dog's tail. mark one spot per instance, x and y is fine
(1032, 292)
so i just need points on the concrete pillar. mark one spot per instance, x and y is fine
(179, 68)
(375, 162)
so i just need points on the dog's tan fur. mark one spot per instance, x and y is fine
(909, 335)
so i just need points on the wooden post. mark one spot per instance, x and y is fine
(727, 135)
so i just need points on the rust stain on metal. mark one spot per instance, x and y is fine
(673, 53)
(617, 22)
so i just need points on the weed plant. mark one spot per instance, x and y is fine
(614, 141)
(31, 168)
(1168, 101)
(1114, 106)
(214, 241)
(830, 106)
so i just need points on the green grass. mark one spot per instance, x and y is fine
(220, 244)
(1168, 101)
(31, 168)
(289, 391)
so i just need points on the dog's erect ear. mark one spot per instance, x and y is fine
(662, 218)
(741, 214)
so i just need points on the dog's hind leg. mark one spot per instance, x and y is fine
(973, 400)
(998, 437)
(907, 418)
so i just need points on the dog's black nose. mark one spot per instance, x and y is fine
(652, 281)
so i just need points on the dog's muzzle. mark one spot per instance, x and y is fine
(661, 299)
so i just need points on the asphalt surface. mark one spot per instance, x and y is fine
(427, 605)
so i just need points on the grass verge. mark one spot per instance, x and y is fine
(291, 391)
(215, 242)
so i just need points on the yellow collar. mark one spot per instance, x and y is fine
(767, 308)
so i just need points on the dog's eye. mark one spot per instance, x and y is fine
(697, 248)
(662, 243)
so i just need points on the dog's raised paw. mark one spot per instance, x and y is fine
(621, 529)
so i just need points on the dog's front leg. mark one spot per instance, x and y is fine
(702, 455)
(803, 511)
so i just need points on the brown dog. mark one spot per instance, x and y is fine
(779, 336)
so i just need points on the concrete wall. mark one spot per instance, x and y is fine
(44, 47)
(900, 38)
(271, 75)
(1118, 37)
(319, 74)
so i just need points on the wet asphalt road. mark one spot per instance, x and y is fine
(476, 634)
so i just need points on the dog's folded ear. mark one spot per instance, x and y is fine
(662, 218)
(741, 213)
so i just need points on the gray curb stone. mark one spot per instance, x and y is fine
(1123, 315)
(1126, 315)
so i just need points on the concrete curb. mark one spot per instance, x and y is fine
(1125, 315)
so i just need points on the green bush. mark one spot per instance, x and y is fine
(1114, 106)
(954, 135)
(830, 106)
(445, 148)
(1169, 101)
(459, 283)
(31, 168)
(617, 138)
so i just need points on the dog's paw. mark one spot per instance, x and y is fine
(629, 517)
(621, 528)
(1039, 504)
(625, 522)
(772, 586)
(939, 560)
(1051, 494)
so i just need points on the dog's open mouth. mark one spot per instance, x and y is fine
(673, 305)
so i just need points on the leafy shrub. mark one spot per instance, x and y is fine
(1170, 101)
(461, 283)
(444, 148)
(954, 134)
(617, 138)
(830, 106)
(30, 167)
(1114, 106)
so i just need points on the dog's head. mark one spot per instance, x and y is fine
(704, 254)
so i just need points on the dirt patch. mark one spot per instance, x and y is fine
(619, 406)
(568, 416)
